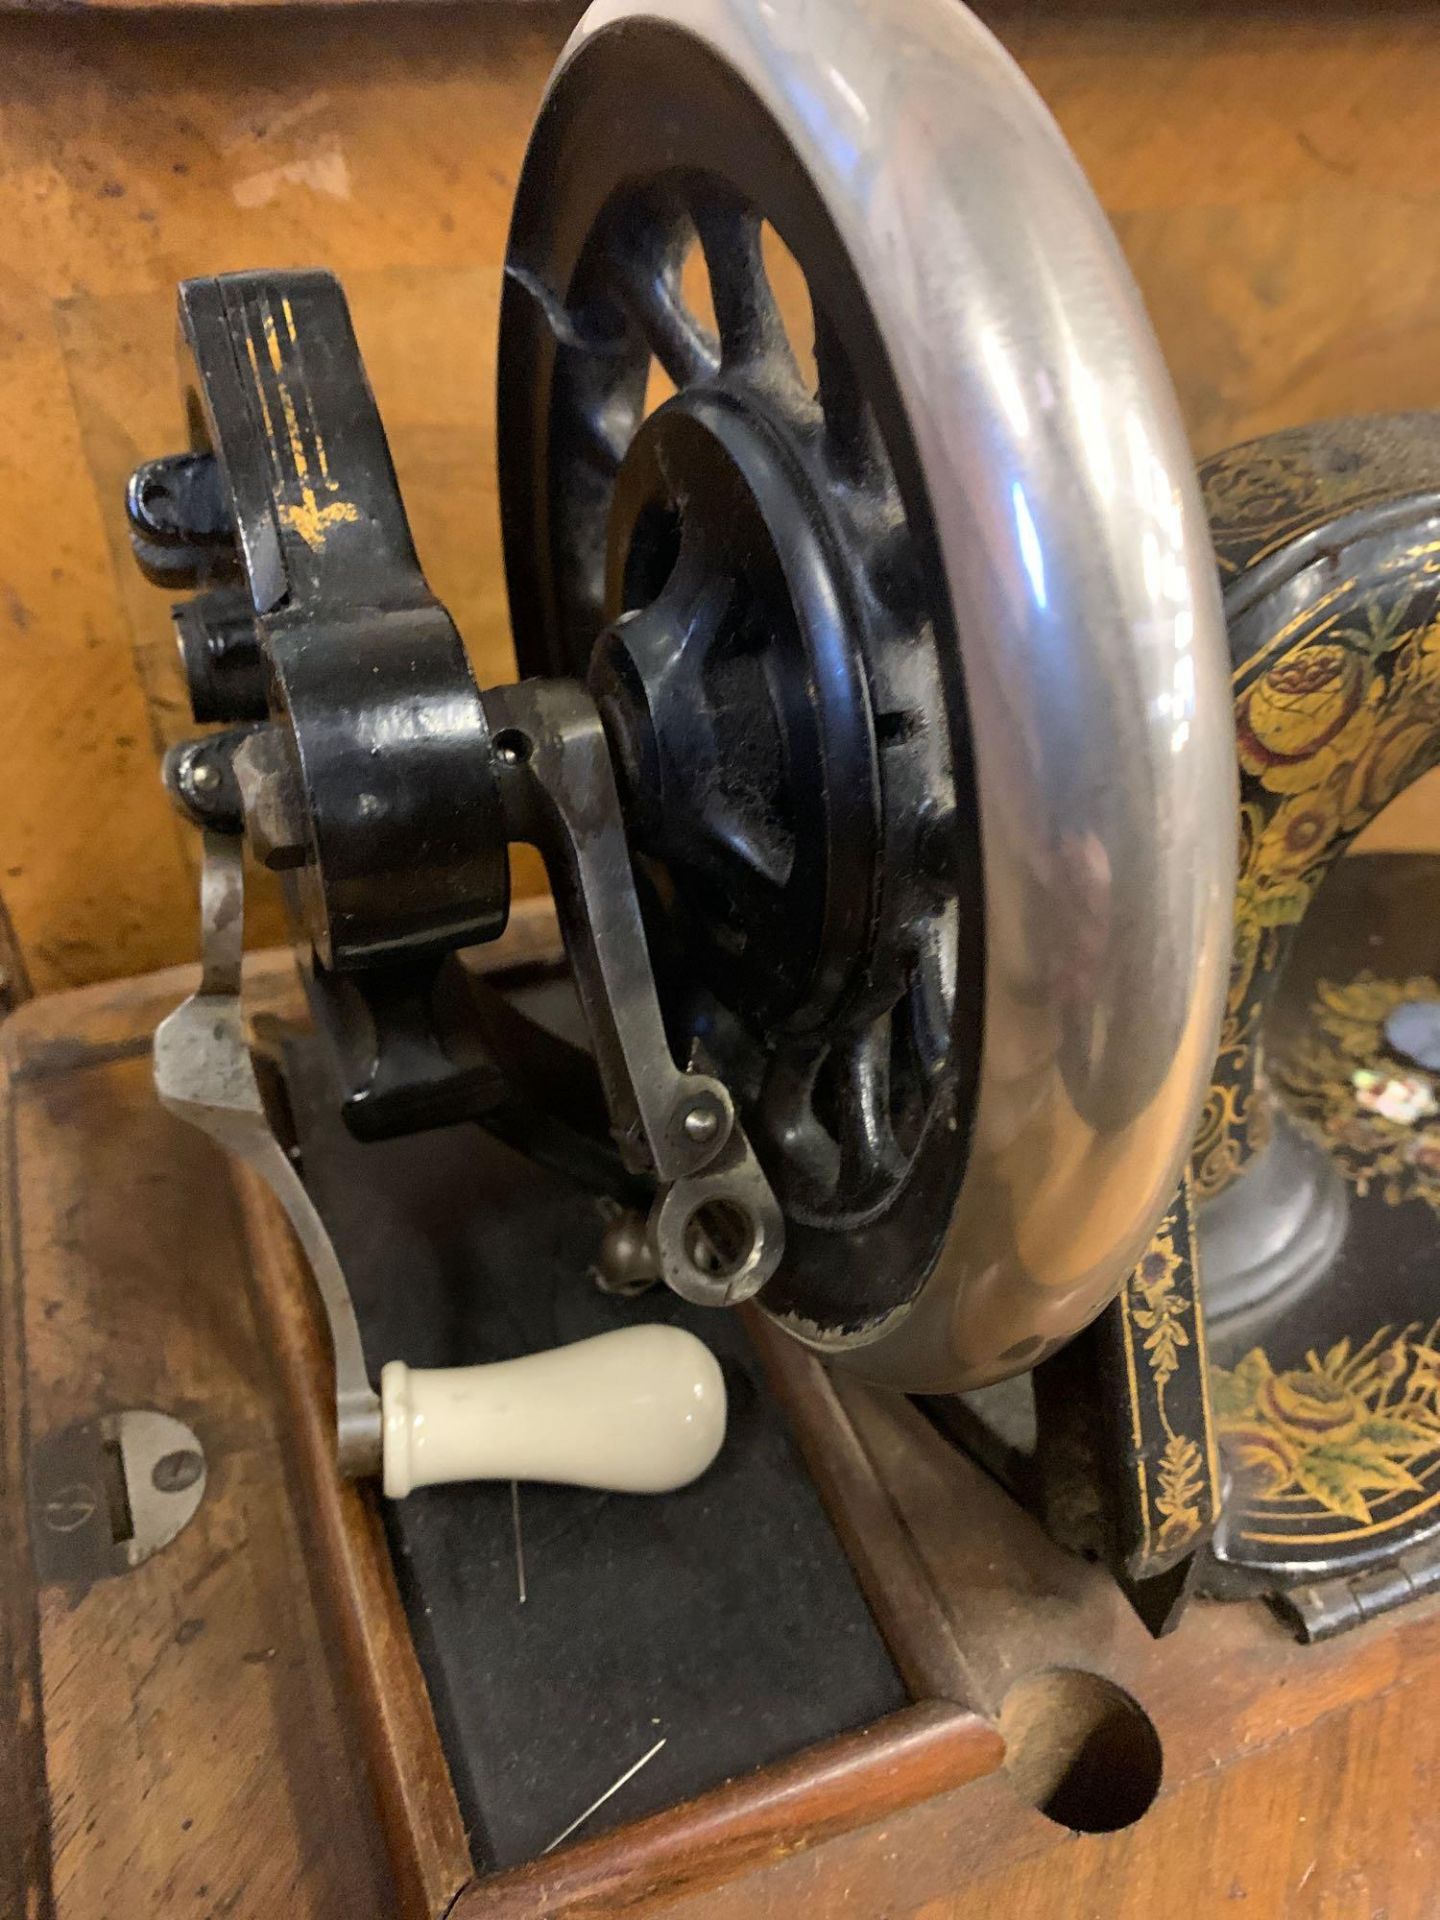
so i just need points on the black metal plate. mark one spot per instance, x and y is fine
(724, 1618)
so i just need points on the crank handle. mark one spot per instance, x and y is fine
(636, 1410)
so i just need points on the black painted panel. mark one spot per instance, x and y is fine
(724, 1618)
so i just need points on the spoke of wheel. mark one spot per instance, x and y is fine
(670, 639)
(738, 845)
(650, 291)
(896, 579)
(852, 443)
(788, 1117)
(928, 1002)
(604, 432)
(750, 871)
(868, 1153)
(672, 634)
(751, 328)
(644, 257)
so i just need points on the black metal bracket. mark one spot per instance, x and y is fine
(382, 754)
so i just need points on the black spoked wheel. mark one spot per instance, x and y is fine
(745, 575)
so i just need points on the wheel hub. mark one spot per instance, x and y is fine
(732, 685)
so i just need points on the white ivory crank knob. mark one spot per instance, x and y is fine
(639, 1410)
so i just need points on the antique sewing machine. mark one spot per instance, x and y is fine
(877, 728)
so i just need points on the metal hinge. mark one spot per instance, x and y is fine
(1328, 1607)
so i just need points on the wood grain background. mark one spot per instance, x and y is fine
(1273, 174)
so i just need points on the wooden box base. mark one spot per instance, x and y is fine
(238, 1727)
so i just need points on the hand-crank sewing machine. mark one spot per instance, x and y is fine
(875, 724)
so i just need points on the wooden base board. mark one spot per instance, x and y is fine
(237, 1727)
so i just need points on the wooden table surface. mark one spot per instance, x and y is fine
(181, 1740)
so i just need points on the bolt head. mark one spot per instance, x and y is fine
(702, 1123)
(174, 1472)
(274, 809)
(627, 1261)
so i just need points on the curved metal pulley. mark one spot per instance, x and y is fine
(913, 664)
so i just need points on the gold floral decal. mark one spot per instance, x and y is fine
(1328, 733)
(1256, 489)
(1335, 1437)
(1158, 1309)
(1182, 1481)
(1264, 494)
(1327, 1079)
(303, 469)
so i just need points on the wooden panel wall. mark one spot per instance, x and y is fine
(1274, 176)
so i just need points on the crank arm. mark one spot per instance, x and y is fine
(716, 1229)
(637, 1410)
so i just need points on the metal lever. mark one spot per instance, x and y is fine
(204, 1073)
(716, 1228)
(637, 1410)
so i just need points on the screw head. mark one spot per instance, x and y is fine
(702, 1123)
(627, 1263)
(174, 1472)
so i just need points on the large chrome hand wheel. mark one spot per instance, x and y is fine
(911, 660)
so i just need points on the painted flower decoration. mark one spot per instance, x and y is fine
(1279, 878)
(1160, 1312)
(1395, 755)
(1327, 733)
(1379, 1123)
(1308, 1406)
(1262, 1461)
(1310, 714)
(1344, 1431)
